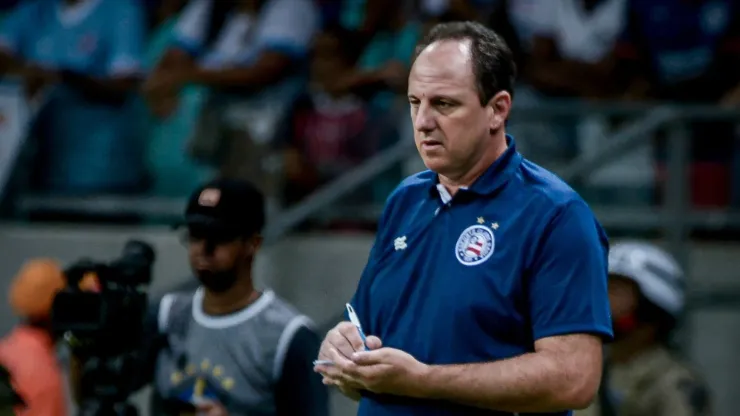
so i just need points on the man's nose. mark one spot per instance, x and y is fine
(424, 120)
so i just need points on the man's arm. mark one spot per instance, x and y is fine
(270, 67)
(569, 311)
(299, 390)
(288, 28)
(562, 374)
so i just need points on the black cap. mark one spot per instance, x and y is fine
(227, 206)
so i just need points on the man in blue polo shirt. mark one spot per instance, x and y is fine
(486, 290)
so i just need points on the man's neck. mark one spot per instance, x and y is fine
(235, 299)
(464, 180)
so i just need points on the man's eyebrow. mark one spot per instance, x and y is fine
(439, 96)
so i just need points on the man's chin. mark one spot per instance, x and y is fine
(435, 163)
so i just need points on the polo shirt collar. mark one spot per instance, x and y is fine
(497, 175)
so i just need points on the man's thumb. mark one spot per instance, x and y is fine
(373, 342)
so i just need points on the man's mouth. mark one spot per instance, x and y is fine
(430, 144)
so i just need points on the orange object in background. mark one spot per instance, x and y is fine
(28, 352)
(33, 290)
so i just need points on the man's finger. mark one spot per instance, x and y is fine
(373, 342)
(364, 358)
(352, 335)
(334, 371)
(340, 342)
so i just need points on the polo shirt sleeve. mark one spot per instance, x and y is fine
(127, 39)
(568, 276)
(288, 27)
(191, 26)
(16, 26)
(542, 18)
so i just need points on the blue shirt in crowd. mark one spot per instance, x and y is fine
(90, 146)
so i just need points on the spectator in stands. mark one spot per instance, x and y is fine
(681, 50)
(88, 54)
(380, 75)
(382, 69)
(687, 51)
(251, 54)
(569, 48)
(174, 172)
(571, 54)
(365, 17)
(330, 131)
(519, 22)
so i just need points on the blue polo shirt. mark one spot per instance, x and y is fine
(478, 277)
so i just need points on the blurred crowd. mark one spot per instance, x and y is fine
(153, 96)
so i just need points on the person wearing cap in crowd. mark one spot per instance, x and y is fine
(645, 378)
(229, 348)
(28, 355)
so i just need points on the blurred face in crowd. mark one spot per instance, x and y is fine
(327, 63)
(623, 299)
(452, 130)
(218, 261)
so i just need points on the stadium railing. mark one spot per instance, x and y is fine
(675, 217)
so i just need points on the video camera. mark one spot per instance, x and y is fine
(101, 311)
(100, 315)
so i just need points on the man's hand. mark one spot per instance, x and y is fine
(161, 91)
(385, 370)
(344, 339)
(165, 82)
(340, 344)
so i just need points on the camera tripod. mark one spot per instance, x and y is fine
(106, 386)
(98, 407)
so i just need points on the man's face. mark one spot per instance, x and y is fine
(451, 127)
(217, 260)
(214, 256)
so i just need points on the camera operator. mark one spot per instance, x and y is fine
(227, 348)
(30, 369)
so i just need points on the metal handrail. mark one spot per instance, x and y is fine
(620, 142)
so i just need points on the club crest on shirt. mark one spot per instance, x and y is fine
(475, 245)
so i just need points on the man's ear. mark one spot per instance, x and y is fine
(498, 107)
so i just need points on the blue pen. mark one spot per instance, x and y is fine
(356, 322)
